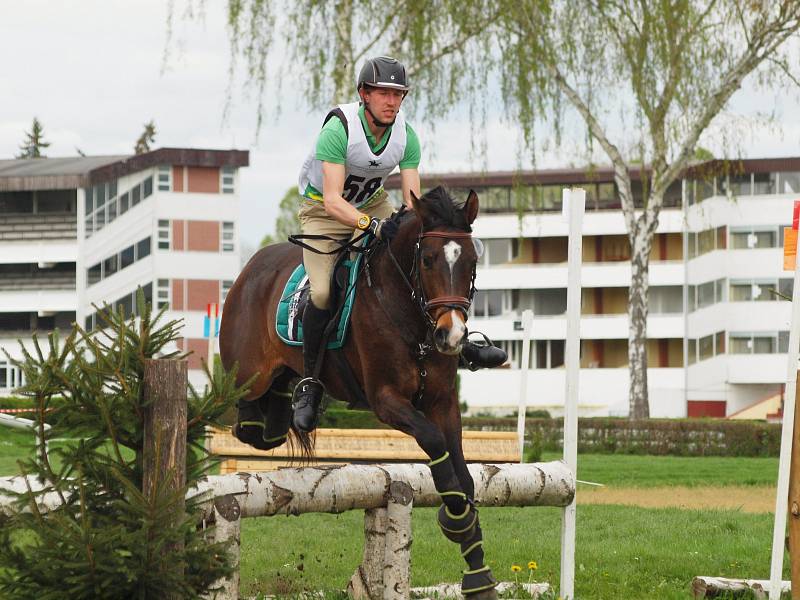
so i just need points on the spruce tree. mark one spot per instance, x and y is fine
(34, 142)
(85, 529)
(148, 137)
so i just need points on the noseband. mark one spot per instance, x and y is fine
(459, 303)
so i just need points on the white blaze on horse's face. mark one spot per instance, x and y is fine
(452, 250)
(458, 330)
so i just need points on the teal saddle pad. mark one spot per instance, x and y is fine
(288, 323)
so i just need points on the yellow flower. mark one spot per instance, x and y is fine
(532, 565)
(516, 568)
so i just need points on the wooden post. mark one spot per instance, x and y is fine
(164, 466)
(794, 500)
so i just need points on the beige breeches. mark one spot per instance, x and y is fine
(315, 220)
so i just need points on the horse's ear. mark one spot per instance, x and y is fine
(416, 204)
(471, 207)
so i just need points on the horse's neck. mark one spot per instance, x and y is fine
(394, 292)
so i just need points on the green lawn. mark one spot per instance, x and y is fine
(622, 552)
(625, 470)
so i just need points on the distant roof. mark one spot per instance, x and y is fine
(599, 174)
(27, 174)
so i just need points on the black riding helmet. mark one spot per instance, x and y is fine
(383, 72)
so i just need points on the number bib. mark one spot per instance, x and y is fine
(365, 171)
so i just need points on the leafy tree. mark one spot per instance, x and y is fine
(34, 142)
(102, 537)
(442, 42)
(646, 79)
(148, 137)
(287, 222)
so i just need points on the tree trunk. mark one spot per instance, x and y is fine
(344, 71)
(638, 401)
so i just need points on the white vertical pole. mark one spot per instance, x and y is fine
(527, 326)
(787, 432)
(575, 204)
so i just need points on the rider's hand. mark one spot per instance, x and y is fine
(384, 229)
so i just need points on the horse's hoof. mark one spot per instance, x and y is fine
(479, 584)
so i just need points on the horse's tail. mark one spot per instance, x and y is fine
(304, 442)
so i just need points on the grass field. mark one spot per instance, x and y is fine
(623, 551)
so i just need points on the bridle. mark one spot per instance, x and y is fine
(418, 294)
(417, 289)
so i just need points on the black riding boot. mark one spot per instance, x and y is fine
(485, 355)
(308, 392)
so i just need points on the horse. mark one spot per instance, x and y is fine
(407, 326)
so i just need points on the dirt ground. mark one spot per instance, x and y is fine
(749, 499)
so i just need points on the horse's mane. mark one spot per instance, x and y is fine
(443, 210)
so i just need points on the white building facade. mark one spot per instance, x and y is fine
(718, 246)
(81, 233)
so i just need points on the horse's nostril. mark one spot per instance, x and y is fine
(440, 335)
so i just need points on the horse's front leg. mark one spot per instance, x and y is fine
(457, 516)
(478, 581)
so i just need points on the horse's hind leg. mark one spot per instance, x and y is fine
(264, 422)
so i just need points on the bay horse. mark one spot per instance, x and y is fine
(407, 326)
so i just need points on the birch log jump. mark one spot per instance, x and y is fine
(349, 487)
(385, 492)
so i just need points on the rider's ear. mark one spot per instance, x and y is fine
(471, 207)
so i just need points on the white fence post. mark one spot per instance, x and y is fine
(574, 205)
(527, 326)
(787, 431)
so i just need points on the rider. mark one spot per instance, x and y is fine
(341, 182)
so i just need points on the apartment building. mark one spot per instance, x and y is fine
(718, 244)
(86, 232)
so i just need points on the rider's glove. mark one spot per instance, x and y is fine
(383, 229)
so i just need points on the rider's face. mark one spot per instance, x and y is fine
(383, 102)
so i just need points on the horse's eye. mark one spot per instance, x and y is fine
(427, 261)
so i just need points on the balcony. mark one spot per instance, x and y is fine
(31, 277)
(37, 227)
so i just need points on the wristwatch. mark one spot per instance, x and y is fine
(363, 222)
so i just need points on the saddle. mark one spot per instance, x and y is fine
(289, 324)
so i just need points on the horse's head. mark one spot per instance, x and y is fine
(444, 265)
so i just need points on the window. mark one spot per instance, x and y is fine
(87, 192)
(494, 303)
(94, 274)
(500, 251)
(112, 210)
(123, 203)
(147, 187)
(692, 349)
(143, 248)
(110, 266)
(719, 343)
(136, 195)
(757, 343)
(164, 178)
(706, 347)
(227, 185)
(112, 189)
(126, 257)
(227, 242)
(754, 238)
(705, 294)
(785, 288)
(226, 287)
(162, 293)
(788, 182)
(126, 303)
(163, 234)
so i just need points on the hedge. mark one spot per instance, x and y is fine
(678, 437)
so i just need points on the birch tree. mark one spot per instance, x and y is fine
(315, 47)
(646, 79)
